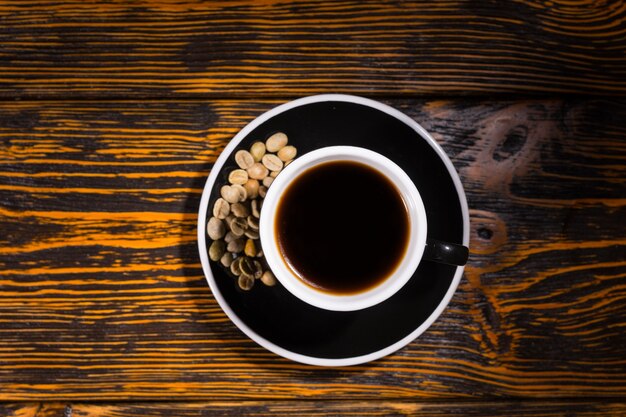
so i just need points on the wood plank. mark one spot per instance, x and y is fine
(34, 409)
(315, 408)
(102, 296)
(185, 48)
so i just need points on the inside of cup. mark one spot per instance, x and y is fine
(412, 251)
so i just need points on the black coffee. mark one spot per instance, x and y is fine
(342, 227)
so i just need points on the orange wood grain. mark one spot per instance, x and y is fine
(315, 408)
(102, 296)
(186, 48)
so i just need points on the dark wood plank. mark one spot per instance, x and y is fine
(181, 48)
(316, 408)
(350, 408)
(102, 295)
(35, 410)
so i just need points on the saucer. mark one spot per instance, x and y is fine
(280, 322)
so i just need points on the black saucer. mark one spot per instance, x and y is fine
(284, 324)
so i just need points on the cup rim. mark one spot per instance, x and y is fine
(202, 242)
(387, 287)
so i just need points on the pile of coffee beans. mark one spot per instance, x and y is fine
(234, 226)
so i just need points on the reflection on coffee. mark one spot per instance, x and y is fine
(342, 227)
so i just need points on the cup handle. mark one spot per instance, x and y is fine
(445, 252)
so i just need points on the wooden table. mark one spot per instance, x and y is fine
(112, 114)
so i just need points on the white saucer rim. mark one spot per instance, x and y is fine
(202, 212)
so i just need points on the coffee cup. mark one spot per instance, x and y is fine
(320, 255)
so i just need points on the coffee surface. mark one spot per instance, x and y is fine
(342, 227)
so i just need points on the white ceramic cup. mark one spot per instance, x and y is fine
(405, 268)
